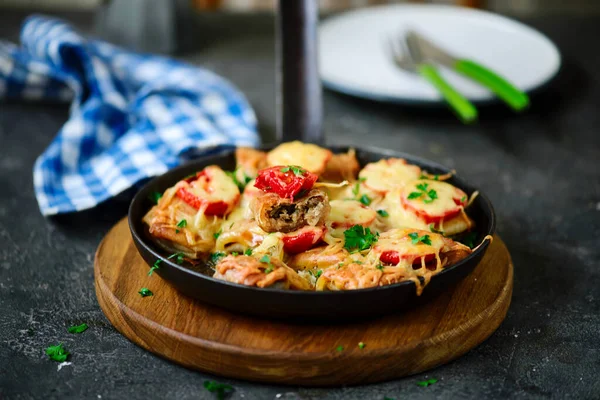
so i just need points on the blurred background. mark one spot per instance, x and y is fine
(519, 7)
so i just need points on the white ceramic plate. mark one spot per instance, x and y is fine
(353, 57)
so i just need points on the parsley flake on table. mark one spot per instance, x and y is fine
(366, 200)
(178, 257)
(361, 345)
(145, 292)
(298, 171)
(181, 224)
(154, 267)
(240, 184)
(217, 234)
(78, 328)
(428, 195)
(219, 388)
(155, 197)
(215, 257)
(248, 252)
(358, 238)
(57, 353)
(415, 239)
(383, 213)
(340, 348)
(427, 382)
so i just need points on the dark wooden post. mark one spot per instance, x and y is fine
(299, 97)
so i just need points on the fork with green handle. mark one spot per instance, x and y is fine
(421, 56)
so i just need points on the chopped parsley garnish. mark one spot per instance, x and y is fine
(366, 200)
(463, 199)
(340, 264)
(145, 292)
(316, 274)
(267, 260)
(217, 234)
(181, 224)
(340, 348)
(469, 239)
(359, 238)
(380, 267)
(219, 388)
(357, 262)
(215, 257)
(432, 229)
(427, 382)
(362, 179)
(177, 256)
(155, 197)
(298, 171)
(248, 252)
(235, 253)
(154, 267)
(416, 239)
(240, 184)
(57, 353)
(429, 195)
(356, 189)
(361, 345)
(383, 213)
(78, 328)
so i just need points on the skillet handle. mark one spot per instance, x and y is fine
(299, 100)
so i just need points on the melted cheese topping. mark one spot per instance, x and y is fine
(215, 186)
(446, 202)
(385, 175)
(385, 183)
(399, 217)
(345, 213)
(308, 156)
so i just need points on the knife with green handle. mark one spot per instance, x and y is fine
(463, 108)
(506, 91)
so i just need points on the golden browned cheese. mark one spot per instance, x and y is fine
(250, 160)
(319, 258)
(193, 240)
(342, 167)
(349, 277)
(246, 270)
(308, 156)
(274, 214)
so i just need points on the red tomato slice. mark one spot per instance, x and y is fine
(393, 257)
(210, 189)
(285, 181)
(303, 239)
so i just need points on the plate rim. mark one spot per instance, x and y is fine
(490, 98)
(139, 237)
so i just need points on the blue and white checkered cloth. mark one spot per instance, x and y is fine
(132, 116)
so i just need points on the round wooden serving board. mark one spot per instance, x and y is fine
(217, 341)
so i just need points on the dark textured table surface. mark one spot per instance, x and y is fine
(540, 169)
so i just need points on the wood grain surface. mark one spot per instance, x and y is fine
(217, 341)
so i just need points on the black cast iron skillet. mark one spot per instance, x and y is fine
(197, 282)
